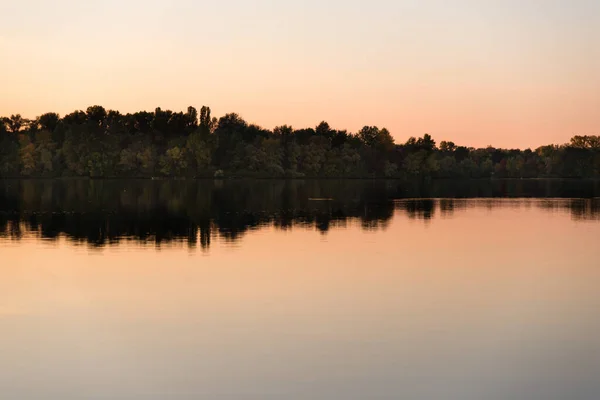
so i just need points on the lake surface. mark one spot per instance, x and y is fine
(298, 290)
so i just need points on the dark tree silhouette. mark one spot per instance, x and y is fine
(105, 143)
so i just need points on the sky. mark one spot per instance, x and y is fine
(478, 72)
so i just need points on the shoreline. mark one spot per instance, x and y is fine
(268, 178)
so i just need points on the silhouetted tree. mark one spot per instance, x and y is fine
(49, 121)
(15, 123)
(103, 143)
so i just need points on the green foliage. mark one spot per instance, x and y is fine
(27, 155)
(105, 143)
(98, 164)
(199, 151)
(414, 163)
(174, 162)
(137, 159)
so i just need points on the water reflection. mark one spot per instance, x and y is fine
(445, 296)
(104, 212)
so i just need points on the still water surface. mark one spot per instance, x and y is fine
(299, 290)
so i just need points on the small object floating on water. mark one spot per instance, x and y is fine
(320, 199)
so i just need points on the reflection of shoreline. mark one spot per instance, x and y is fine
(580, 209)
(101, 213)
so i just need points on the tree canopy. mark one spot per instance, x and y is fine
(105, 143)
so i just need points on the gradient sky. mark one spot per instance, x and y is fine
(508, 73)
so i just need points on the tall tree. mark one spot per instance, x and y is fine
(49, 121)
(15, 123)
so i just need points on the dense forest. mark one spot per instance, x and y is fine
(105, 143)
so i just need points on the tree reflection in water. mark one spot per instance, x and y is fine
(102, 212)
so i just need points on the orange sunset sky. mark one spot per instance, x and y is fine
(507, 73)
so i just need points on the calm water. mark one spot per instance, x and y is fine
(299, 290)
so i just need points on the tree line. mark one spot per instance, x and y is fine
(105, 143)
